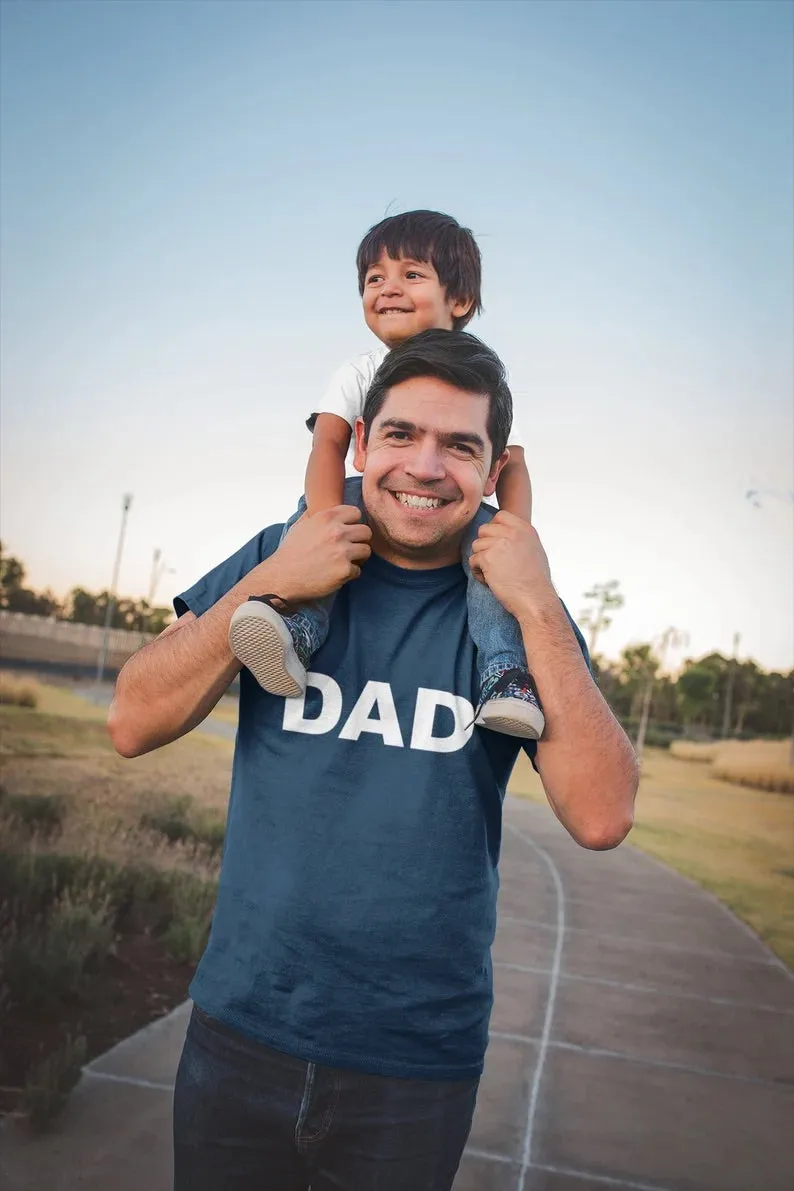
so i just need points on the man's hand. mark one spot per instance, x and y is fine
(507, 555)
(319, 555)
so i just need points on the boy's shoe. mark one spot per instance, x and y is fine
(509, 704)
(262, 640)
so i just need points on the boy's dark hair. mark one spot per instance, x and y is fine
(456, 357)
(429, 236)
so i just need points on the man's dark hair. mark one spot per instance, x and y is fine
(456, 357)
(429, 236)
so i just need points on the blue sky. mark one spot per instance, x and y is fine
(183, 188)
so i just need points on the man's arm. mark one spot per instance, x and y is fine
(586, 763)
(172, 684)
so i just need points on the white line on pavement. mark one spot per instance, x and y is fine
(644, 988)
(554, 981)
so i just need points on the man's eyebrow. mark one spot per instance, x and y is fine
(467, 436)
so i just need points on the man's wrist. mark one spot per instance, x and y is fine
(540, 608)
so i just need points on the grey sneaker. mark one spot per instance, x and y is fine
(261, 639)
(508, 704)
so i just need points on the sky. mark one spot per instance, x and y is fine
(182, 190)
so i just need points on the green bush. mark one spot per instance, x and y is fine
(49, 963)
(173, 819)
(35, 813)
(49, 1083)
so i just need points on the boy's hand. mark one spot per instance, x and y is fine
(320, 554)
(507, 555)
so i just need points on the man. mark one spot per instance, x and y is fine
(341, 1007)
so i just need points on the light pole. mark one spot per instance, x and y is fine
(126, 501)
(726, 717)
(670, 637)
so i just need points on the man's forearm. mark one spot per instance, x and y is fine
(172, 684)
(587, 765)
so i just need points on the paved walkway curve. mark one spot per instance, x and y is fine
(642, 1039)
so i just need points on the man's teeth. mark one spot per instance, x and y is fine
(418, 502)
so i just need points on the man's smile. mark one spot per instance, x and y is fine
(419, 501)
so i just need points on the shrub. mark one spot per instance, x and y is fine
(776, 779)
(172, 818)
(690, 750)
(49, 1083)
(42, 813)
(48, 963)
(18, 694)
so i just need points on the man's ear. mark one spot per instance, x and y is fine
(360, 453)
(493, 474)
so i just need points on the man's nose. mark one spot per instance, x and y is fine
(426, 462)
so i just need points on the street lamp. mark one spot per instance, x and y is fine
(126, 501)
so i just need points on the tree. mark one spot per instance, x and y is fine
(696, 688)
(604, 596)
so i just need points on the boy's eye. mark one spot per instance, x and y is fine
(374, 277)
(414, 273)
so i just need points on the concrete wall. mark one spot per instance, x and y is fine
(37, 642)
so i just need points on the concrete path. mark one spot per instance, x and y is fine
(641, 1039)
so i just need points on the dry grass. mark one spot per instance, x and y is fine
(762, 764)
(44, 755)
(17, 694)
(690, 750)
(734, 841)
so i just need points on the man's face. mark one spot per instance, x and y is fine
(403, 297)
(427, 466)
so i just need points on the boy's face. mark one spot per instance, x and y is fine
(403, 297)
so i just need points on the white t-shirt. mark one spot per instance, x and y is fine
(349, 385)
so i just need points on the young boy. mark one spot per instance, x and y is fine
(416, 271)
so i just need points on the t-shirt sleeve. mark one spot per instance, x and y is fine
(199, 598)
(531, 746)
(346, 392)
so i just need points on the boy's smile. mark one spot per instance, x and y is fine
(403, 297)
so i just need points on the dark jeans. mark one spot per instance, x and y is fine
(248, 1118)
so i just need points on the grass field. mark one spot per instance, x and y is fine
(762, 764)
(734, 841)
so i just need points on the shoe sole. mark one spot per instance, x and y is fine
(259, 638)
(513, 717)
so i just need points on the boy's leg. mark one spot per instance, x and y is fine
(508, 702)
(392, 1134)
(236, 1106)
(277, 648)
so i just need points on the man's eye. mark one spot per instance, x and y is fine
(464, 447)
(400, 435)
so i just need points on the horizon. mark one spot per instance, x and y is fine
(182, 191)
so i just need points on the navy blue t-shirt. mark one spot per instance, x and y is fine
(357, 898)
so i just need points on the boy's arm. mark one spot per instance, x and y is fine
(584, 758)
(325, 471)
(514, 487)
